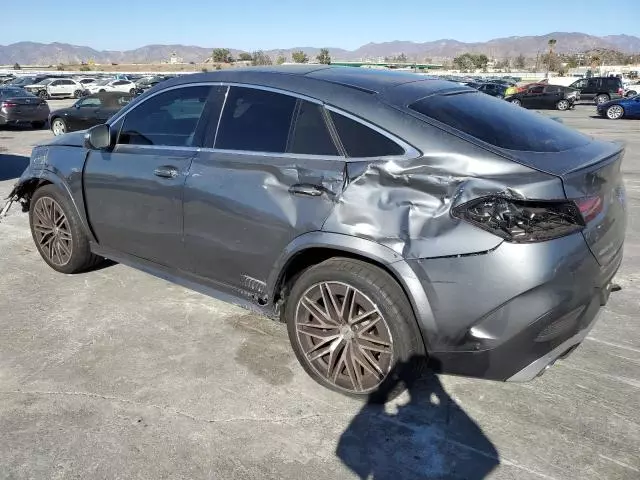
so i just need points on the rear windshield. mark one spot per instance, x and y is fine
(499, 123)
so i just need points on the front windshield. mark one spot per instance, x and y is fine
(103, 82)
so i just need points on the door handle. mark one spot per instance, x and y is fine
(306, 190)
(166, 171)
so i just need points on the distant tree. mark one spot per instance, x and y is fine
(324, 57)
(221, 55)
(245, 57)
(503, 64)
(551, 61)
(299, 57)
(260, 58)
(218, 67)
(427, 60)
(480, 61)
(572, 62)
(280, 59)
(464, 62)
(16, 66)
(402, 58)
(520, 62)
(85, 68)
(60, 67)
(205, 70)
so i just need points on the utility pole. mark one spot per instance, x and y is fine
(537, 59)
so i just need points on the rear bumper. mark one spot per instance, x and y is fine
(12, 118)
(508, 314)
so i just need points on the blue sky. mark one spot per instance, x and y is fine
(267, 24)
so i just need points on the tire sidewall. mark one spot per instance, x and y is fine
(406, 342)
(80, 247)
(566, 104)
(614, 118)
(61, 121)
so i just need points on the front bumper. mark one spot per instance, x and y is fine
(508, 314)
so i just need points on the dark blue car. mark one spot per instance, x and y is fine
(621, 108)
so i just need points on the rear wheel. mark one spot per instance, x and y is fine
(57, 232)
(43, 94)
(516, 102)
(631, 93)
(602, 98)
(58, 126)
(132, 91)
(563, 105)
(77, 94)
(37, 125)
(353, 330)
(614, 112)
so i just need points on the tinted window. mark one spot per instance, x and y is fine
(255, 120)
(614, 82)
(310, 134)
(499, 123)
(90, 102)
(536, 90)
(169, 118)
(579, 84)
(552, 89)
(362, 141)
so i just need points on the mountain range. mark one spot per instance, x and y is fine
(32, 53)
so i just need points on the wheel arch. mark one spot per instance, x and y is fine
(27, 187)
(315, 247)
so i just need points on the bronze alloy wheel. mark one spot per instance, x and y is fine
(344, 336)
(52, 231)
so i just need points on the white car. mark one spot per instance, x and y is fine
(86, 81)
(124, 86)
(56, 88)
(632, 90)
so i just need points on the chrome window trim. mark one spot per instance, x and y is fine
(301, 156)
(409, 151)
(156, 147)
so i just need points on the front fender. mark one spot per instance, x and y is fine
(376, 253)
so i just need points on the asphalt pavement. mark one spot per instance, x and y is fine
(117, 374)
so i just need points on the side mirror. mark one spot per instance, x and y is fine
(98, 137)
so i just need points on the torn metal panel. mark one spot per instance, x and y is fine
(406, 205)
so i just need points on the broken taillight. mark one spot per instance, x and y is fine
(522, 221)
(590, 207)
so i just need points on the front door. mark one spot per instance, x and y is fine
(552, 95)
(134, 192)
(275, 174)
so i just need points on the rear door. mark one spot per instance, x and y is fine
(133, 193)
(55, 88)
(552, 94)
(591, 89)
(274, 174)
(533, 98)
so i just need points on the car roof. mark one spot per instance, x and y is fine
(323, 81)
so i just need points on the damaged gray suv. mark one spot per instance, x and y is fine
(383, 216)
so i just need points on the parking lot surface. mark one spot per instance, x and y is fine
(117, 374)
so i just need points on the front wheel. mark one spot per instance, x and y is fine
(77, 94)
(43, 94)
(602, 98)
(516, 102)
(614, 112)
(563, 105)
(631, 93)
(57, 232)
(132, 91)
(353, 330)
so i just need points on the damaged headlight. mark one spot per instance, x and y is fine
(522, 221)
(39, 156)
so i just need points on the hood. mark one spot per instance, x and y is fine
(72, 139)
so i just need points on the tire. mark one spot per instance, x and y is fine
(602, 98)
(563, 105)
(68, 251)
(399, 363)
(102, 90)
(132, 91)
(516, 102)
(631, 93)
(58, 126)
(77, 94)
(615, 112)
(37, 125)
(43, 94)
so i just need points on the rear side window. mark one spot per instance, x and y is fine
(499, 123)
(361, 141)
(169, 118)
(255, 120)
(552, 89)
(310, 133)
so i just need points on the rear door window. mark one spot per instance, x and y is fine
(256, 121)
(169, 118)
(499, 123)
(361, 141)
(310, 133)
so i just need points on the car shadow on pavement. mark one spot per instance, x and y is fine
(12, 166)
(428, 437)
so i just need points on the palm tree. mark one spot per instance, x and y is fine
(552, 43)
